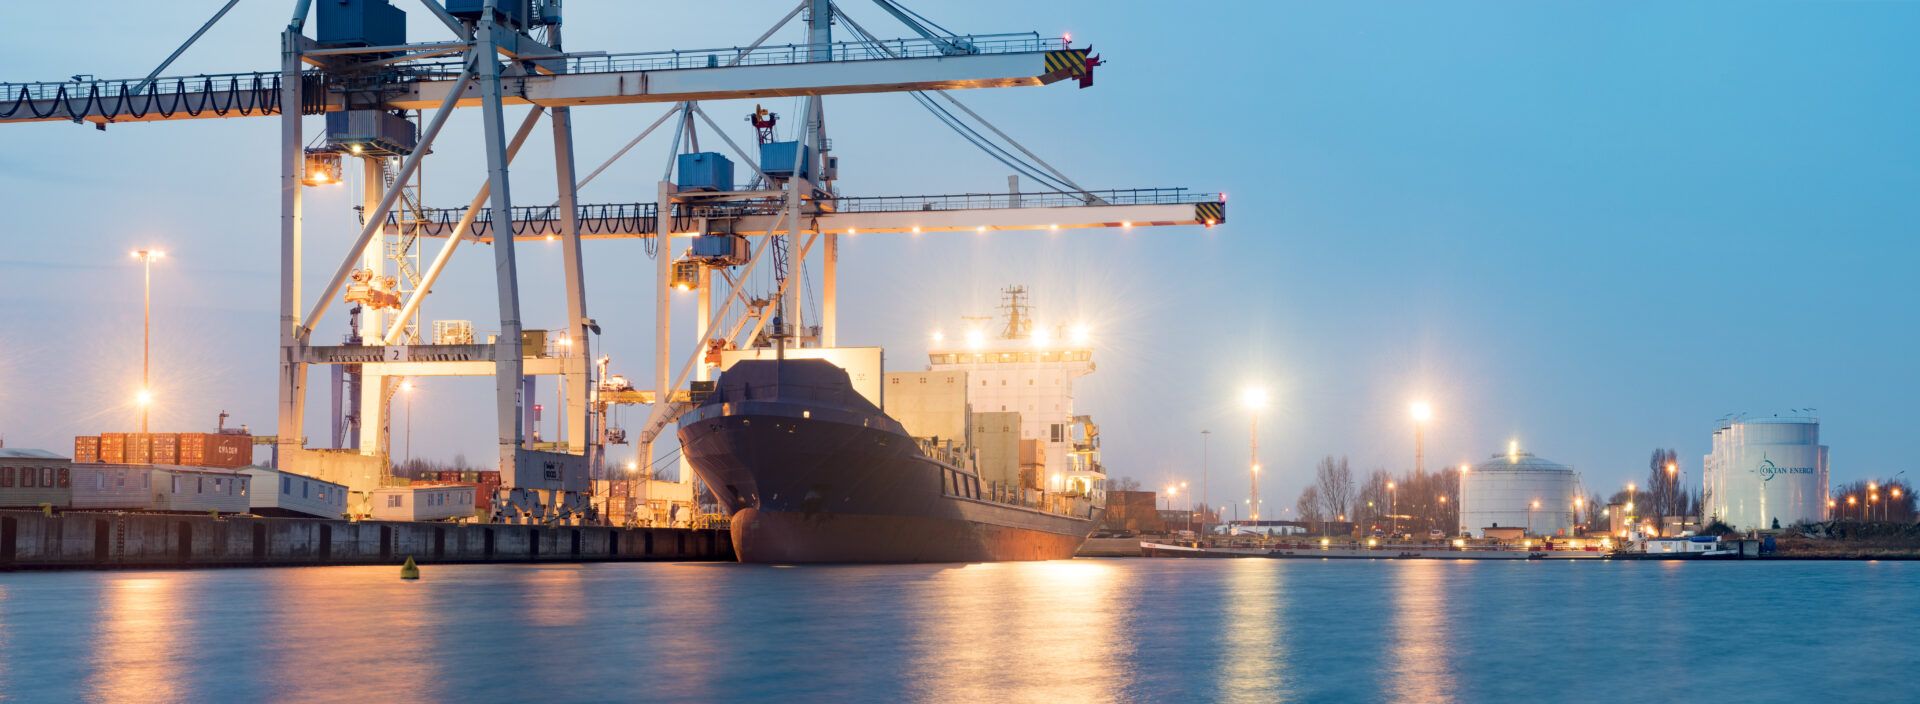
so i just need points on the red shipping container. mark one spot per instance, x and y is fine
(216, 450)
(86, 449)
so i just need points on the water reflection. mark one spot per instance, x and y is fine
(139, 620)
(1255, 659)
(1420, 659)
(358, 630)
(553, 596)
(1032, 632)
(679, 638)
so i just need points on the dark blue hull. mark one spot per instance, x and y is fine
(812, 480)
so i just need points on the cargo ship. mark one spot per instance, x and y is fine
(820, 456)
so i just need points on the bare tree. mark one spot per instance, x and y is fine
(1664, 496)
(1126, 484)
(1374, 501)
(1334, 480)
(1309, 505)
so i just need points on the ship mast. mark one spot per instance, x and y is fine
(1019, 323)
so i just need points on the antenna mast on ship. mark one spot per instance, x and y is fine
(1019, 322)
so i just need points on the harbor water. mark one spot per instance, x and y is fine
(1088, 630)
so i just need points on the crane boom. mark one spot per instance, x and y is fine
(607, 79)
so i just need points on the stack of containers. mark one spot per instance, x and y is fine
(113, 448)
(165, 448)
(86, 449)
(488, 484)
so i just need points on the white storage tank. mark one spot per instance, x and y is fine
(1764, 470)
(1502, 491)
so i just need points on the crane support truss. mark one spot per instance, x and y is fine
(653, 77)
(903, 214)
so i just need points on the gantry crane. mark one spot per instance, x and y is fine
(360, 72)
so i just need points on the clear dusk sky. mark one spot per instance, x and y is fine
(1593, 227)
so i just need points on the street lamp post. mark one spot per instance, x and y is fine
(407, 386)
(1255, 399)
(146, 257)
(1530, 508)
(1204, 435)
(1393, 507)
(1460, 490)
(1421, 412)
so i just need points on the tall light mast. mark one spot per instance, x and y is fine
(1255, 399)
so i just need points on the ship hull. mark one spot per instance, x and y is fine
(807, 481)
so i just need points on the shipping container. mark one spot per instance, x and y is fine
(113, 448)
(166, 448)
(139, 448)
(86, 448)
(216, 450)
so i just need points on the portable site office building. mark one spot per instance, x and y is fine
(286, 494)
(157, 487)
(29, 478)
(423, 502)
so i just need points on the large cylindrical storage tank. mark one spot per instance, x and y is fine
(1500, 493)
(1766, 470)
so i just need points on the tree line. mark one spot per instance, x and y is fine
(1415, 501)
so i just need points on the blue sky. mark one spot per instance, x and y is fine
(1592, 227)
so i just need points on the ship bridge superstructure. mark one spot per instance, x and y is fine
(1029, 367)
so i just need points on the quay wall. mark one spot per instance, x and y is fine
(85, 540)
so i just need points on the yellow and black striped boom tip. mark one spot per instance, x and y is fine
(1071, 62)
(1210, 214)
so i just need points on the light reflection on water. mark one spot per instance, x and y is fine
(1254, 663)
(1422, 658)
(1059, 632)
(361, 626)
(136, 628)
(1039, 632)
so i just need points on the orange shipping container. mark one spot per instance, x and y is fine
(113, 448)
(139, 448)
(166, 448)
(86, 449)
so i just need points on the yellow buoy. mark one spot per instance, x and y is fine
(409, 570)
